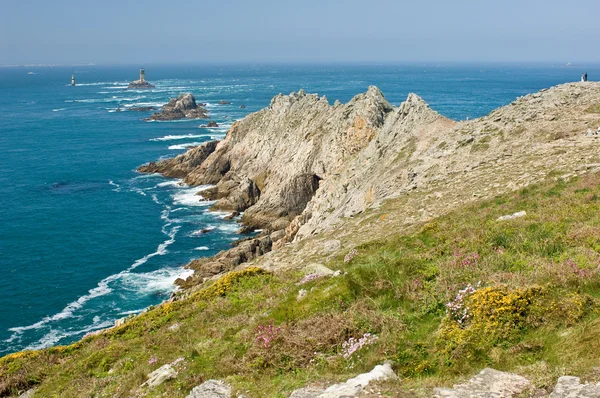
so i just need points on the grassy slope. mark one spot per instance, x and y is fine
(535, 311)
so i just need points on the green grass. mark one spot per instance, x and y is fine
(593, 109)
(535, 312)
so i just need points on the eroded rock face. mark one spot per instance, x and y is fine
(182, 107)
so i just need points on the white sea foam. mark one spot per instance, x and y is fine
(159, 281)
(172, 183)
(102, 84)
(229, 227)
(202, 248)
(114, 184)
(138, 190)
(146, 176)
(59, 109)
(55, 335)
(189, 197)
(140, 104)
(178, 137)
(184, 146)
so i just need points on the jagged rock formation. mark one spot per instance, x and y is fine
(183, 164)
(302, 166)
(182, 107)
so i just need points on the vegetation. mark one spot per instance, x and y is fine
(464, 292)
(593, 109)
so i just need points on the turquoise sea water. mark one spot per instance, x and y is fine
(85, 240)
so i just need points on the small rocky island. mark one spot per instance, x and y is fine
(182, 107)
(141, 83)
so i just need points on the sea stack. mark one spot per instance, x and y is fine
(141, 83)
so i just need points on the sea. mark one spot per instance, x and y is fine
(86, 240)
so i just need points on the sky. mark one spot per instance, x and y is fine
(300, 31)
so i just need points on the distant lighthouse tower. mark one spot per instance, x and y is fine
(142, 75)
(72, 80)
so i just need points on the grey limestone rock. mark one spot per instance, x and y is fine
(211, 389)
(489, 383)
(571, 387)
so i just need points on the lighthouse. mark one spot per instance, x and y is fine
(142, 83)
(72, 80)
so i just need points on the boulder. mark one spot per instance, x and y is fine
(160, 375)
(317, 269)
(571, 387)
(223, 102)
(211, 389)
(518, 214)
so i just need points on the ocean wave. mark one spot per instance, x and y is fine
(190, 197)
(102, 84)
(102, 289)
(178, 137)
(59, 109)
(114, 184)
(172, 183)
(202, 248)
(144, 104)
(184, 146)
(56, 335)
(159, 281)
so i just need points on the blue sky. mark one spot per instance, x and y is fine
(310, 31)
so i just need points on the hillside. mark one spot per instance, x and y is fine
(383, 241)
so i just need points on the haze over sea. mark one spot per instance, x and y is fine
(85, 240)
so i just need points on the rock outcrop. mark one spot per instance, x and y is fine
(571, 387)
(211, 389)
(350, 388)
(140, 84)
(182, 165)
(182, 107)
(245, 250)
(489, 383)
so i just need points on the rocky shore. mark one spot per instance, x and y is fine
(182, 107)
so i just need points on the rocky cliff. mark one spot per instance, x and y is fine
(302, 166)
